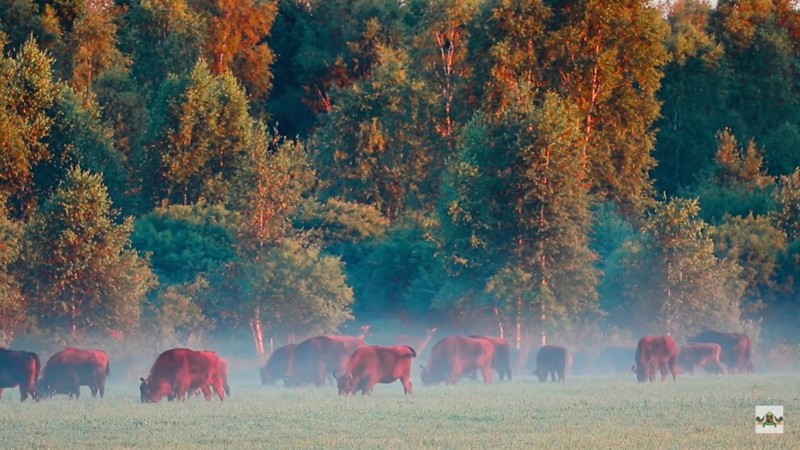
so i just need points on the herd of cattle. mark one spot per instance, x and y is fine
(354, 365)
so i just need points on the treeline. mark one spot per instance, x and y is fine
(177, 168)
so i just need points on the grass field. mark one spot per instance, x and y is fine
(710, 412)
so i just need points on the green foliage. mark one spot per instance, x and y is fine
(756, 244)
(296, 287)
(80, 273)
(179, 320)
(202, 132)
(737, 184)
(673, 280)
(376, 146)
(606, 57)
(162, 37)
(267, 190)
(12, 303)
(27, 92)
(79, 138)
(515, 206)
(186, 241)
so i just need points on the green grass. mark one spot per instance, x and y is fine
(696, 412)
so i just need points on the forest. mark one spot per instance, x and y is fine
(174, 170)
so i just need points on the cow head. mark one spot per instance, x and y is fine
(641, 372)
(44, 389)
(345, 383)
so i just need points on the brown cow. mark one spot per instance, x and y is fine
(71, 368)
(703, 354)
(655, 353)
(374, 364)
(19, 368)
(179, 370)
(317, 357)
(454, 356)
(222, 373)
(551, 360)
(277, 366)
(737, 349)
(502, 355)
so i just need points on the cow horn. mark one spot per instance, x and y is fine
(334, 375)
(633, 368)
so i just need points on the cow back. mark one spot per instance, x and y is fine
(277, 366)
(320, 355)
(457, 352)
(736, 348)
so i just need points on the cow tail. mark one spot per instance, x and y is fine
(108, 368)
(413, 352)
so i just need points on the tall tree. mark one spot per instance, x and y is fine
(268, 189)
(376, 146)
(516, 211)
(237, 41)
(81, 274)
(13, 309)
(695, 88)
(674, 283)
(606, 56)
(202, 131)
(161, 37)
(27, 92)
(296, 288)
(737, 183)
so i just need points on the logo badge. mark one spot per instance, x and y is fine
(769, 419)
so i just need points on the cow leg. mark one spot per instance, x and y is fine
(408, 388)
(220, 389)
(206, 392)
(23, 393)
(487, 374)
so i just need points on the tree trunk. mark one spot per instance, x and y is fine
(258, 333)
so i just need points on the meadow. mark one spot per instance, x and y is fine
(697, 412)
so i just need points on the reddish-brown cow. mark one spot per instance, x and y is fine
(374, 364)
(71, 368)
(179, 370)
(317, 357)
(454, 356)
(703, 354)
(655, 353)
(502, 355)
(277, 366)
(737, 349)
(19, 368)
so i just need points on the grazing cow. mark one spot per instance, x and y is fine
(180, 370)
(703, 354)
(277, 366)
(737, 349)
(66, 371)
(317, 357)
(655, 353)
(454, 356)
(502, 355)
(615, 359)
(551, 360)
(19, 368)
(374, 364)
